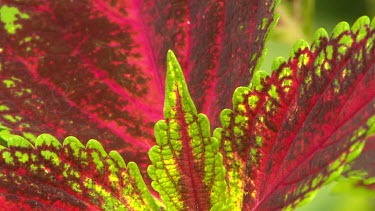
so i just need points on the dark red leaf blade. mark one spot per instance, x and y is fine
(73, 70)
(308, 139)
(231, 52)
(294, 131)
(95, 68)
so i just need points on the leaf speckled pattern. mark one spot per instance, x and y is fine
(187, 167)
(96, 68)
(362, 170)
(49, 176)
(293, 131)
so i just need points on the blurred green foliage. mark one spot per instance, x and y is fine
(331, 12)
(343, 195)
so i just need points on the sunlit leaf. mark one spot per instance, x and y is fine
(96, 68)
(187, 166)
(49, 176)
(293, 131)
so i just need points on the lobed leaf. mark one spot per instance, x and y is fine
(187, 168)
(292, 132)
(49, 176)
(95, 68)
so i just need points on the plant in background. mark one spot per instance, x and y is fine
(97, 69)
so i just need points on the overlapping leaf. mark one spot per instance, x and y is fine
(96, 68)
(187, 166)
(286, 136)
(292, 132)
(50, 176)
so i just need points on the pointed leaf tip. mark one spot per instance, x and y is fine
(170, 54)
(175, 88)
(187, 166)
(102, 57)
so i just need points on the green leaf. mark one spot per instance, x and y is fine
(187, 167)
(47, 175)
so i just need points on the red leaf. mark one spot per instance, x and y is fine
(311, 127)
(95, 69)
(294, 131)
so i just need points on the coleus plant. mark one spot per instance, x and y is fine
(285, 135)
(97, 68)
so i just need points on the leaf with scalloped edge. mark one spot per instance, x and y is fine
(49, 176)
(187, 168)
(96, 68)
(292, 132)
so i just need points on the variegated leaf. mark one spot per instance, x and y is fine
(96, 68)
(49, 176)
(187, 168)
(292, 132)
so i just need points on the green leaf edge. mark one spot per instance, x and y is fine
(175, 80)
(355, 149)
(16, 141)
